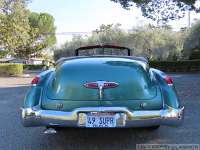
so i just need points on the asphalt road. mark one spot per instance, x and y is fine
(13, 136)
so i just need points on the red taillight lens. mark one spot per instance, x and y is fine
(91, 85)
(35, 80)
(103, 84)
(110, 85)
(168, 80)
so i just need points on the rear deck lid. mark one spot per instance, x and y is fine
(133, 82)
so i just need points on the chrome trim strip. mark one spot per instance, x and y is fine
(38, 117)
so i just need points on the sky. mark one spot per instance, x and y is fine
(88, 15)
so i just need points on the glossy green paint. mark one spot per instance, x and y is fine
(169, 92)
(64, 86)
(33, 96)
(70, 77)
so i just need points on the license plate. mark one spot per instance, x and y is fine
(100, 121)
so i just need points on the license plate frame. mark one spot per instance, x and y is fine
(101, 120)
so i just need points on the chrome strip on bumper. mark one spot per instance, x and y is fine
(38, 117)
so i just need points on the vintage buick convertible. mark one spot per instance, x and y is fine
(102, 91)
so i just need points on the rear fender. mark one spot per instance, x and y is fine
(34, 93)
(168, 91)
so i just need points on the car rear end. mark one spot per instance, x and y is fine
(102, 92)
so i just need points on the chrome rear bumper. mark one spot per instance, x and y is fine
(38, 117)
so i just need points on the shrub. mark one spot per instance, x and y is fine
(176, 66)
(195, 55)
(33, 67)
(11, 69)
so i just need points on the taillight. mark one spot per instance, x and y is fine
(35, 80)
(168, 80)
(91, 85)
(102, 84)
(110, 85)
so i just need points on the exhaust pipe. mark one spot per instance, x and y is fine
(50, 131)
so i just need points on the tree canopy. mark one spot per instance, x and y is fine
(41, 35)
(24, 33)
(14, 24)
(191, 47)
(161, 10)
(148, 41)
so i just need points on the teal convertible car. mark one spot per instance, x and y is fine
(96, 89)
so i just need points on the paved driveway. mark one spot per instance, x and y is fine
(14, 136)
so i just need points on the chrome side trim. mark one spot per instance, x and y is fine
(38, 117)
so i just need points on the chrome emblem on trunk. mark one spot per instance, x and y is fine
(101, 85)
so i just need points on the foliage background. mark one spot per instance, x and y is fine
(24, 34)
(155, 43)
(11, 69)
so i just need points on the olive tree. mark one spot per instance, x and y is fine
(192, 43)
(161, 10)
(149, 41)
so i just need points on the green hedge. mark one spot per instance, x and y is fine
(177, 66)
(11, 69)
(33, 67)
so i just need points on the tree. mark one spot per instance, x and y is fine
(156, 43)
(3, 53)
(161, 10)
(191, 47)
(14, 24)
(108, 34)
(41, 35)
(24, 33)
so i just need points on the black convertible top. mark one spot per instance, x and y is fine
(102, 46)
(142, 59)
